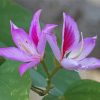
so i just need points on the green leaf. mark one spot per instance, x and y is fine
(37, 79)
(83, 90)
(12, 85)
(51, 97)
(63, 79)
(12, 11)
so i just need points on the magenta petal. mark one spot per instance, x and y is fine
(42, 44)
(89, 63)
(88, 46)
(14, 54)
(24, 67)
(22, 40)
(53, 44)
(70, 34)
(35, 30)
(70, 64)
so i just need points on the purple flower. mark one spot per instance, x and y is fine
(30, 48)
(73, 52)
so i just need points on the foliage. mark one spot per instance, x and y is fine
(12, 86)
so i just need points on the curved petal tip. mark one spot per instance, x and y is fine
(38, 12)
(13, 26)
(95, 37)
(64, 13)
(21, 71)
(49, 28)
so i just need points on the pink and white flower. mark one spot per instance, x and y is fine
(73, 54)
(30, 47)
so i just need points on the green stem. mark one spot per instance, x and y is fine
(45, 68)
(49, 80)
(37, 90)
(56, 69)
(49, 83)
(48, 88)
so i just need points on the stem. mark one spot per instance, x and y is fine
(49, 83)
(56, 69)
(37, 90)
(48, 87)
(49, 80)
(45, 68)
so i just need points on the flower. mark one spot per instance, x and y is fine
(30, 48)
(75, 50)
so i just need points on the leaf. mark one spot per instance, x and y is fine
(12, 85)
(50, 97)
(83, 90)
(63, 79)
(37, 79)
(12, 11)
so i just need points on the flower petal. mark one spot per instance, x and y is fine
(88, 46)
(89, 63)
(14, 54)
(22, 40)
(70, 64)
(35, 30)
(24, 67)
(53, 44)
(42, 44)
(70, 34)
(49, 28)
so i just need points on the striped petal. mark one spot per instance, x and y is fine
(24, 67)
(70, 34)
(35, 30)
(88, 46)
(22, 40)
(14, 54)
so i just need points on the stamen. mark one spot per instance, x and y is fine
(26, 46)
(23, 47)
